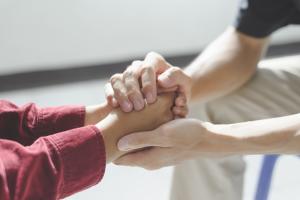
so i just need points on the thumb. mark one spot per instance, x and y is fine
(139, 140)
(174, 77)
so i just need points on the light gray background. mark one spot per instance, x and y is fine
(37, 34)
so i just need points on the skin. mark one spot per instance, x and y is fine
(96, 113)
(171, 145)
(114, 123)
(146, 79)
(225, 65)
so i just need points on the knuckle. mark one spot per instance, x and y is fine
(176, 70)
(128, 72)
(131, 73)
(131, 82)
(116, 77)
(154, 55)
(147, 68)
(151, 53)
(136, 63)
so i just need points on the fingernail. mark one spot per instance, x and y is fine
(139, 104)
(126, 106)
(149, 97)
(123, 145)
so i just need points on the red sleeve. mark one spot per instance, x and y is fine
(53, 167)
(27, 123)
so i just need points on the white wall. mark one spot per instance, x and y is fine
(35, 34)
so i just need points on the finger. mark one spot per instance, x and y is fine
(157, 62)
(150, 159)
(148, 79)
(132, 85)
(161, 90)
(105, 108)
(175, 76)
(109, 95)
(153, 64)
(141, 140)
(120, 92)
(115, 102)
(138, 158)
(180, 112)
(180, 100)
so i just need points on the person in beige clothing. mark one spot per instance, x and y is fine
(236, 107)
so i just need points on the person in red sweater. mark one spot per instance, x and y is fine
(51, 153)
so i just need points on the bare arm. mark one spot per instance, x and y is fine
(270, 136)
(185, 139)
(225, 65)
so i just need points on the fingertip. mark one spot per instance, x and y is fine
(150, 93)
(114, 103)
(150, 97)
(138, 102)
(179, 112)
(138, 106)
(126, 106)
(109, 101)
(180, 101)
(117, 162)
(121, 161)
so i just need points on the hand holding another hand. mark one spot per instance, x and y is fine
(117, 123)
(146, 79)
(169, 144)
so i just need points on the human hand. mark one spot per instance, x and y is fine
(117, 123)
(146, 79)
(95, 113)
(169, 144)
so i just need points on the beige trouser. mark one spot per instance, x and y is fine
(273, 91)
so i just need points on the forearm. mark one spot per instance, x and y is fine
(269, 136)
(225, 65)
(118, 124)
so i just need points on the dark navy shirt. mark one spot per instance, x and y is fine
(259, 18)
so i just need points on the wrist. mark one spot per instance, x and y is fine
(220, 139)
(113, 127)
(110, 128)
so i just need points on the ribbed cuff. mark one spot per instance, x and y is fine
(82, 157)
(57, 119)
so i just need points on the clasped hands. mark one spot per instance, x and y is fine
(144, 123)
(141, 84)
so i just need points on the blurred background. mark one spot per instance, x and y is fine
(62, 52)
